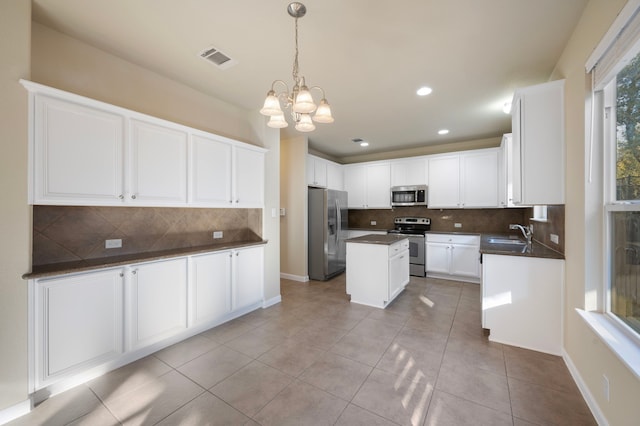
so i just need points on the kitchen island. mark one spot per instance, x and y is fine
(377, 268)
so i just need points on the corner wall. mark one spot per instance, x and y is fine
(15, 226)
(589, 355)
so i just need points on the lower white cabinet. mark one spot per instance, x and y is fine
(377, 273)
(522, 300)
(78, 323)
(85, 324)
(248, 277)
(157, 307)
(209, 288)
(453, 256)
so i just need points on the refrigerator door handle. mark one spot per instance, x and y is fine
(339, 221)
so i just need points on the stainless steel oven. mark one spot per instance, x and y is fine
(414, 228)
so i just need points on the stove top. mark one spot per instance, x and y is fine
(411, 225)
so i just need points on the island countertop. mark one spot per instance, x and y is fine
(386, 239)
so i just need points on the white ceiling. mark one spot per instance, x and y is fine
(370, 57)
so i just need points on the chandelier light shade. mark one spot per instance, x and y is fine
(299, 101)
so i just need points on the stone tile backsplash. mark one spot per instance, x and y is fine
(472, 220)
(63, 234)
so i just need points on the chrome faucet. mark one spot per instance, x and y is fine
(527, 231)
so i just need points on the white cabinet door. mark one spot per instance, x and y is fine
(465, 260)
(355, 183)
(248, 282)
(438, 258)
(479, 179)
(538, 142)
(248, 178)
(78, 324)
(158, 164)
(409, 172)
(209, 288)
(78, 154)
(398, 273)
(379, 186)
(157, 301)
(316, 172)
(210, 172)
(444, 182)
(335, 176)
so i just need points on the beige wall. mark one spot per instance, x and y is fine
(293, 197)
(15, 226)
(587, 352)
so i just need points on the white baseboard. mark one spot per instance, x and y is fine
(11, 413)
(272, 301)
(584, 390)
(299, 278)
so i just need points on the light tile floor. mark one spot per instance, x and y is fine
(317, 359)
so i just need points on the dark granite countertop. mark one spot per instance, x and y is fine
(386, 239)
(535, 250)
(39, 271)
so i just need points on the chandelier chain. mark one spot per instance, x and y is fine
(295, 60)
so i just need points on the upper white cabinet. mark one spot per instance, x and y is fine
(368, 185)
(73, 140)
(316, 171)
(409, 172)
(324, 173)
(86, 152)
(211, 165)
(537, 158)
(465, 180)
(158, 164)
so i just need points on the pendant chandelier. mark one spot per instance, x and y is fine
(299, 100)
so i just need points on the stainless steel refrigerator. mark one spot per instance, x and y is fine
(327, 233)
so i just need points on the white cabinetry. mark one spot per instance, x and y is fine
(324, 173)
(409, 172)
(248, 177)
(466, 180)
(537, 161)
(157, 301)
(209, 288)
(85, 152)
(73, 140)
(211, 166)
(248, 277)
(368, 185)
(453, 256)
(78, 323)
(522, 301)
(316, 172)
(158, 164)
(377, 273)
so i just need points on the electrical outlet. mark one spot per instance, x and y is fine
(116, 243)
(282, 211)
(374, 223)
(217, 234)
(554, 239)
(457, 225)
(605, 387)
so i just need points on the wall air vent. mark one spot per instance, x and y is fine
(217, 58)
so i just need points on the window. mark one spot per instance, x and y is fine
(622, 209)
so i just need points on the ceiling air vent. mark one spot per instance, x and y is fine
(217, 58)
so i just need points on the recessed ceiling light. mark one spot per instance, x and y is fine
(360, 141)
(424, 91)
(443, 131)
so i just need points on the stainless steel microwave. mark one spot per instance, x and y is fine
(412, 195)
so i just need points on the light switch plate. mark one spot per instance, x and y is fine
(457, 225)
(374, 223)
(554, 239)
(217, 234)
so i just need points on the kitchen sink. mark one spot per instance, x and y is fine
(509, 241)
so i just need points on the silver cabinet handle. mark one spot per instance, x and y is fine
(121, 197)
(134, 272)
(121, 274)
(133, 197)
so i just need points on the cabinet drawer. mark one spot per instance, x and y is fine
(398, 247)
(454, 239)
